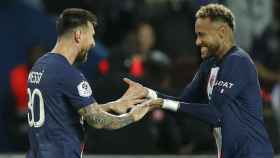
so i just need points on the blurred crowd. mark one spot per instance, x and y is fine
(151, 41)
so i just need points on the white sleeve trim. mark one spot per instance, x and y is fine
(152, 94)
(170, 105)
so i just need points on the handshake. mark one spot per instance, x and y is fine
(138, 99)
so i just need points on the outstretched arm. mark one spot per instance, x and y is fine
(95, 116)
(205, 112)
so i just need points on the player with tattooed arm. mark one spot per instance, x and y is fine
(60, 98)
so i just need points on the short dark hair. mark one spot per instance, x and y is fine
(72, 18)
(217, 12)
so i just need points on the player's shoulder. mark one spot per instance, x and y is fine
(59, 63)
(239, 56)
(52, 60)
(240, 61)
(57, 66)
(69, 74)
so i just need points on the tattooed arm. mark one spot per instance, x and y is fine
(117, 106)
(96, 117)
(121, 105)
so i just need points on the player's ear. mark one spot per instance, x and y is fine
(222, 31)
(78, 36)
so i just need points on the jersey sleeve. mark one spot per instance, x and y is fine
(205, 112)
(193, 92)
(77, 89)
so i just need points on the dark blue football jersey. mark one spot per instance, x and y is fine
(225, 93)
(56, 91)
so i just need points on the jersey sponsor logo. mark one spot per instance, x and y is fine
(224, 84)
(84, 89)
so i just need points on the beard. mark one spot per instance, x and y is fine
(208, 50)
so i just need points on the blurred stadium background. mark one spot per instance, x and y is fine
(151, 41)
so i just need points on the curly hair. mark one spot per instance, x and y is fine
(217, 12)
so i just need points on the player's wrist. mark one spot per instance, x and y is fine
(170, 105)
(151, 93)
